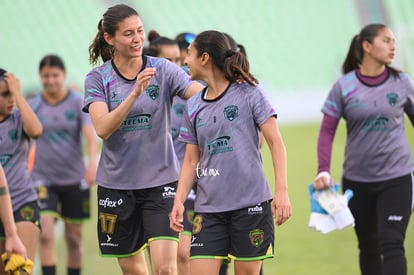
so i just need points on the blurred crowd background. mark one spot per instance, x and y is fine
(295, 47)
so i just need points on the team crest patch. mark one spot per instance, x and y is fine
(178, 109)
(153, 91)
(392, 98)
(190, 216)
(256, 237)
(27, 213)
(231, 112)
(70, 115)
(4, 159)
(13, 135)
(86, 206)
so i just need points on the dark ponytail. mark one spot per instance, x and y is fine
(354, 56)
(156, 42)
(99, 47)
(356, 53)
(233, 64)
(108, 24)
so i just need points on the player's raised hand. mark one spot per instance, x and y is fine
(143, 80)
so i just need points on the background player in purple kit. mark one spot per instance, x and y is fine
(59, 171)
(129, 100)
(161, 46)
(184, 39)
(372, 97)
(17, 128)
(234, 204)
(12, 242)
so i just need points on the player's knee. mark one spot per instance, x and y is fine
(392, 241)
(73, 242)
(46, 238)
(165, 269)
(183, 255)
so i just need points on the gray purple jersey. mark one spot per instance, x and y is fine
(177, 112)
(59, 159)
(377, 148)
(230, 173)
(140, 154)
(14, 148)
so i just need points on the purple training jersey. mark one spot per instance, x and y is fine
(14, 149)
(377, 148)
(59, 159)
(230, 172)
(177, 113)
(140, 154)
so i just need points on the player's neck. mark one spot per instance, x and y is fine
(129, 68)
(217, 84)
(55, 97)
(371, 69)
(216, 89)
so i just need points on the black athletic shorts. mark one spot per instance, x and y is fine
(27, 212)
(72, 203)
(245, 234)
(129, 219)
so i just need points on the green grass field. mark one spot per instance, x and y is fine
(299, 250)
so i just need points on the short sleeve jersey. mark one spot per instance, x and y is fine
(376, 148)
(59, 159)
(177, 113)
(140, 154)
(14, 149)
(230, 172)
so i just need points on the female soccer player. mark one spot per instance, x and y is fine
(234, 204)
(59, 171)
(372, 97)
(161, 46)
(10, 242)
(129, 100)
(17, 128)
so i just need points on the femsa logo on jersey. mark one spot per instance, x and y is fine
(219, 145)
(56, 137)
(137, 122)
(377, 124)
(153, 91)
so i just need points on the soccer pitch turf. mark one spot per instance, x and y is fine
(298, 249)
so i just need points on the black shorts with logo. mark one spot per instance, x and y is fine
(129, 219)
(72, 202)
(245, 234)
(28, 212)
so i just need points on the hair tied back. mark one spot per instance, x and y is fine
(229, 53)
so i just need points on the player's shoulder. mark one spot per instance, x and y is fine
(156, 62)
(349, 77)
(244, 89)
(100, 70)
(75, 96)
(35, 101)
